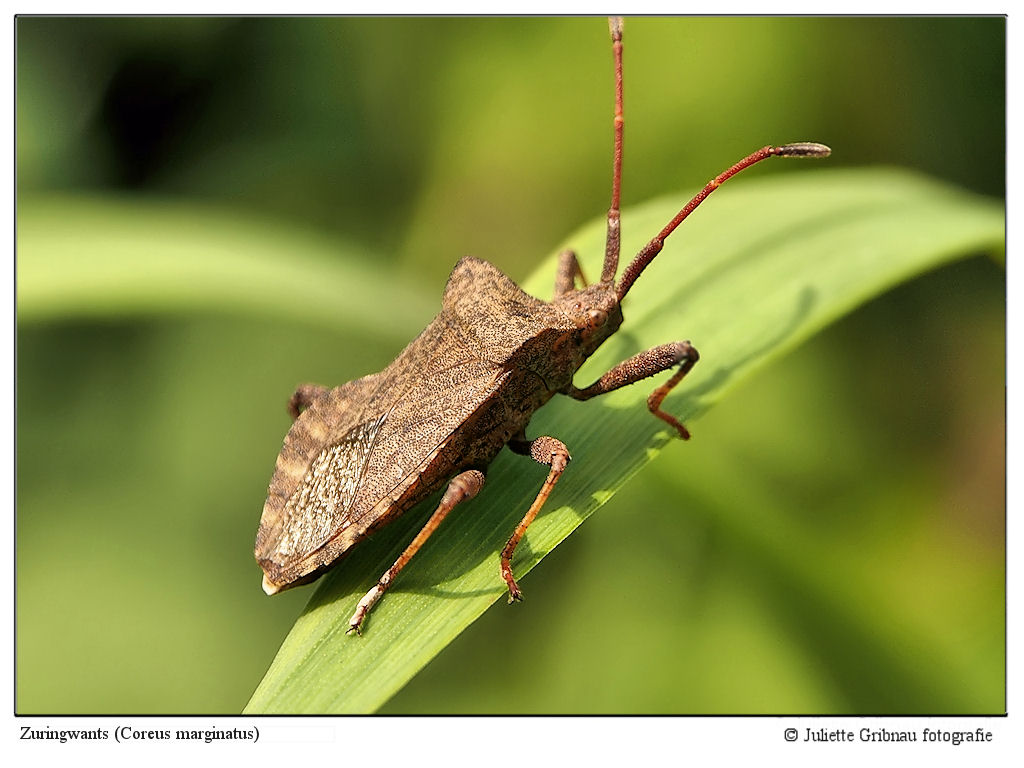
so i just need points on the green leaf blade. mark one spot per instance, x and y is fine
(759, 268)
(108, 257)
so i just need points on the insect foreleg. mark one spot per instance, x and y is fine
(303, 397)
(545, 450)
(461, 487)
(568, 271)
(641, 366)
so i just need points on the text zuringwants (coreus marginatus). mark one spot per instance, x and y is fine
(359, 455)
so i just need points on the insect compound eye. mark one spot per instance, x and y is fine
(597, 317)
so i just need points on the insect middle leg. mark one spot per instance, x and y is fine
(463, 486)
(654, 360)
(545, 450)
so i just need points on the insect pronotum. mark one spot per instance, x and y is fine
(359, 455)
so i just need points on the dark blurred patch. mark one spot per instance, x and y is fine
(150, 102)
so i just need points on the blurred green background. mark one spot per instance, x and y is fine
(831, 541)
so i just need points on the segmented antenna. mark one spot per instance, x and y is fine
(653, 248)
(611, 247)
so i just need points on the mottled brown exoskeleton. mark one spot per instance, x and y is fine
(360, 455)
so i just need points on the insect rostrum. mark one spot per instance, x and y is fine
(359, 455)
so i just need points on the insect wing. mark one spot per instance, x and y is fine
(318, 509)
(421, 423)
(355, 483)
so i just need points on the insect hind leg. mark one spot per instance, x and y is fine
(463, 486)
(303, 397)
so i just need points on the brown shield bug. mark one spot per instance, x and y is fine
(359, 455)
